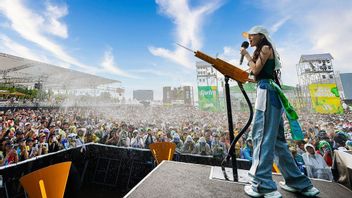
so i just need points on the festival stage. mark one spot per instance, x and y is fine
(177, 179)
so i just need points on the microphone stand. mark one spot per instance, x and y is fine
(230, 123)
(234, 139)
(240, 76)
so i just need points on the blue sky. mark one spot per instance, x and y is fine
(134, 40)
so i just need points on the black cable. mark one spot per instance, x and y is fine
(243, 130)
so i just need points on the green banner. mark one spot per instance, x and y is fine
(208, 98)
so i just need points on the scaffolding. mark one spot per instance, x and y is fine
(313, 69)
(206, 74)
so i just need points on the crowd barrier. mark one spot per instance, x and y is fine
(93, 165)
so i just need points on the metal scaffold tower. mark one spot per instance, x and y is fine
(313, 69)
(206, 74)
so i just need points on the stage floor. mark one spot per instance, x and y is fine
(177, 179)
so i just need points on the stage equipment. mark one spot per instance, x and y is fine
(240, 76)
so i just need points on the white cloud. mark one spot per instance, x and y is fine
(33, 26)
(108, 64)
(230, 55)
(12, 47)
(152, 71)
(274, 28)
(333, 35)
(53, 14)
(188, 27)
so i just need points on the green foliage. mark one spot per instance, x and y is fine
(30, 93)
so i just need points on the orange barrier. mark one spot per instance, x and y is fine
(162, 151)
(47, 182)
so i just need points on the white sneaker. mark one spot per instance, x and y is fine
(287, 188)
(311, 192)
(250, 192)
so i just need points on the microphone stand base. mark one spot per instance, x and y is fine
(216, 173)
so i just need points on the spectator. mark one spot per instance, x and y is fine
(298, 159)
(189, 145)
(53, 144)
(22, 150)
(10, 154)
(19, 135)
(202, 147)
(177, 140)
(137, 140)
(184, 134)
(207, 135)
(42, 146)
(218, 148)
(324, 149)
(90, 136)
(148, 138)
(71, 141)
(114, 139)
(300, 147)
(340, 141)
(81, 132)
(315, 164)
(32, 151)
(124, 140)
(248, 150)
(225, 140)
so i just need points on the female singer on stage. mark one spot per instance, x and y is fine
(268, 130)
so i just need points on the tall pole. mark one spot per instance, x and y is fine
(230, 123)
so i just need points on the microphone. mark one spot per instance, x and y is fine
(245, 45)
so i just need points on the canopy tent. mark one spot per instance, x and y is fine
(28, 72)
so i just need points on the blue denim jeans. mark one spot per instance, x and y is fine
(269, 143)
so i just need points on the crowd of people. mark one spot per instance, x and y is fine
(26, 102)
(27, 133)
(324, 135)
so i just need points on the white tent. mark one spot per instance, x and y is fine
(24, 71)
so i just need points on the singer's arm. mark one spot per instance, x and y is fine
(257, 66)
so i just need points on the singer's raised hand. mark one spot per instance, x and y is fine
(243, 51)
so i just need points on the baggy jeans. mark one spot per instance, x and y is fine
(269, 142)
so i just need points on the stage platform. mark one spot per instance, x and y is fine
(176, 179)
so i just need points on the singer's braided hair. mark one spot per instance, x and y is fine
(256, 55)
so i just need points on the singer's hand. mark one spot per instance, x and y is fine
(252, 80)
(243, 51)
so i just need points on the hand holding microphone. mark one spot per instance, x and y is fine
(244, 46)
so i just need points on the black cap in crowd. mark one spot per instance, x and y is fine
(19, 132)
